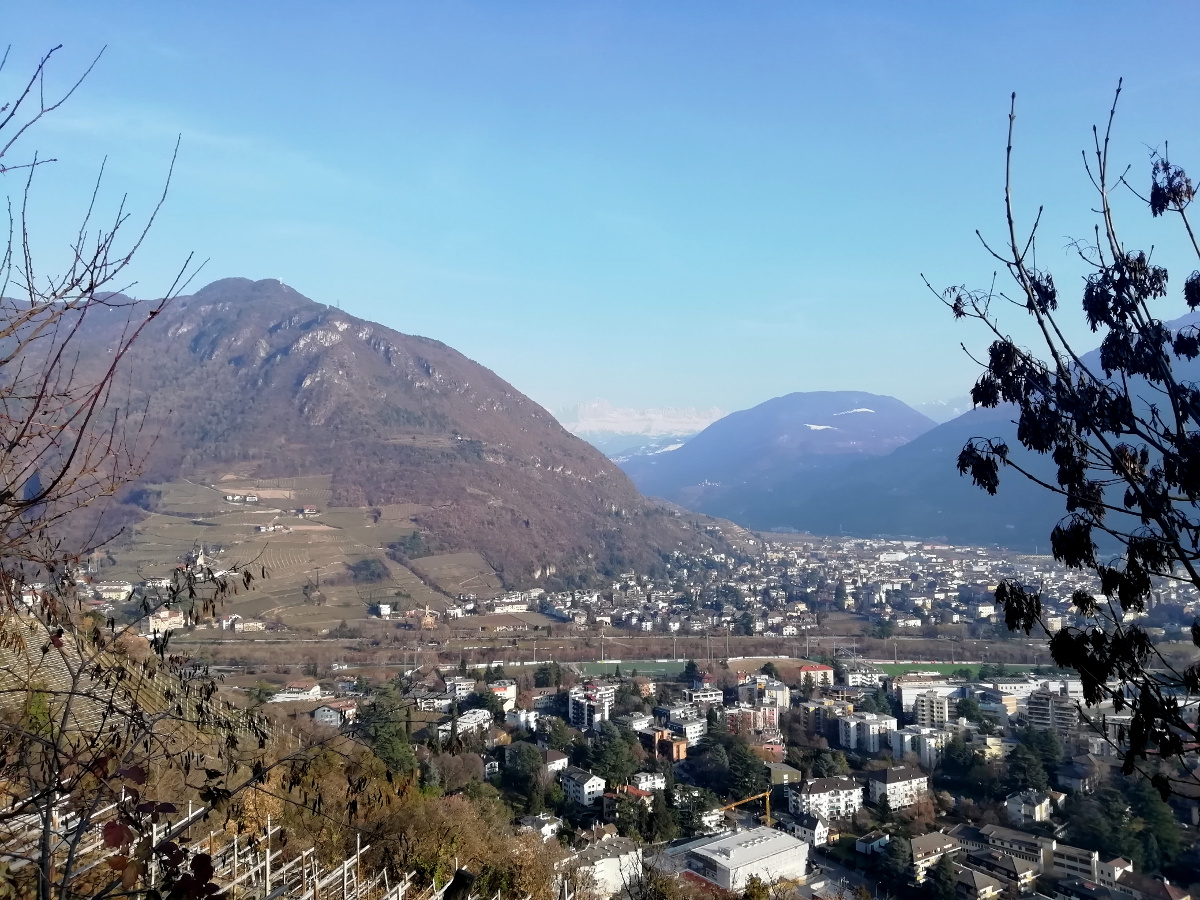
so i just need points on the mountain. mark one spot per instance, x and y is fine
(619, 431)
(915, 491)
(747, 463)
(945, 410)
(250, 379)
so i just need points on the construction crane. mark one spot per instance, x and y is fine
(765, 795)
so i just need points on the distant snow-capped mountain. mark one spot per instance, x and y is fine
(601, 417)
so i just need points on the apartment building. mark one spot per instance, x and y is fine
(830, 798)
(901, 785)
(590, 704)
(933, 709)
(1050, 710)
(928, 850)
(866, 732)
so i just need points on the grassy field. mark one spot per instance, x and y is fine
(943, 668)
(460, 573)
(648, 667)
(311, 551)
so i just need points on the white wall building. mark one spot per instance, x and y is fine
(902, 786)
(611, 864)
(460, 686)
(590, 704)
(469, 722)
(581, 786)
(866, 732)
(730, 860)
(830, 798)
(649, 781)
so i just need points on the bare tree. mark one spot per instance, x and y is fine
(1122, 431)
(90, 715)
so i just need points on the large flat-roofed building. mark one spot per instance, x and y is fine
(731, 860)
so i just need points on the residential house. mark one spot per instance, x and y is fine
(973, 885)
(813, 829)
(610, 865)
(649, 781)
(471, 721)
(872, 842)
(336, 713)
(1018, 875)
(298, 691)
(1024, 807)
(545, 824)
(581, 786)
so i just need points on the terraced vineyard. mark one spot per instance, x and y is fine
(307, 553)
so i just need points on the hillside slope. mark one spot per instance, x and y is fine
(251, 379)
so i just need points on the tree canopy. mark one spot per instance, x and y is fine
(1120, 428)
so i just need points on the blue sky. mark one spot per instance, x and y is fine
(662, 203)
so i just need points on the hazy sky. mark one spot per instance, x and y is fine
(655, 203)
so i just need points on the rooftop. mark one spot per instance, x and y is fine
(896, 774)
(745, 848)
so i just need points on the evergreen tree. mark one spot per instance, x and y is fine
(755, 889)
(897, 860)
(1025, 771)
(691, 672)
(386, 730)
(943, 883)
(747, 774)
(663, 824)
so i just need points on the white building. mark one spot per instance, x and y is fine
(649, 781)
(336, 713)
(866, 732)
(830, 798)
(813, 829)
(704, 696)
(1024, 807)
(522, 718)
(545, 824)
(590, 704)
(469, 722)
(901, 785)
(298, 691)
(611, 865)
(731, 860)
(692, 731)
(506, 691)
(582, 786)
(932, 709)
(460, 686)
(926, 743)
